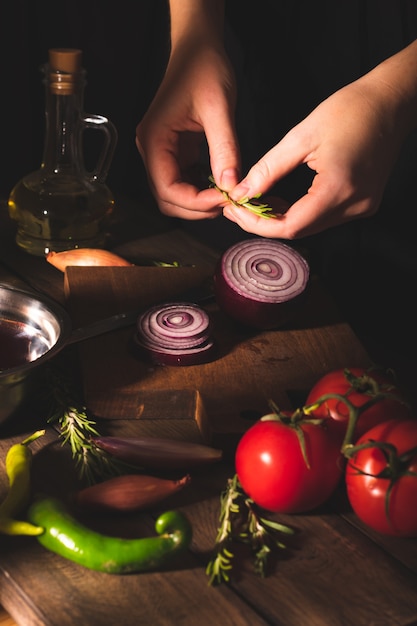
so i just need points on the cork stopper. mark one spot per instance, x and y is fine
(65, 60)
(65, 71)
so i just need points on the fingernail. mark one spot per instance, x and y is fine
(229, 178)
(240, 193)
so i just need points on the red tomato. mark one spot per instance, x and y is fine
(272, 470)
(386, 503)
(359, 386)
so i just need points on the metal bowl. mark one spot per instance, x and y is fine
(33, 329)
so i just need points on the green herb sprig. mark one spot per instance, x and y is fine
(76, 428)
(263, 210)
(166, 263)
(240, 521)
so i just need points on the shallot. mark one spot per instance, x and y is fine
(158, 453)
(87, 257)
(130, 492)
(260, 282)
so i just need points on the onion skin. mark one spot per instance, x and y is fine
(130, 492)
(86, 257)
(261, 282)
(157, 453)
(175, 333)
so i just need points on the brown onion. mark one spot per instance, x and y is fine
(175, 333)
(259, 282)
(87, 257)
(130, 492)
(158, 453)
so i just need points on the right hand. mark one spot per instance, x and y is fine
(351, 141)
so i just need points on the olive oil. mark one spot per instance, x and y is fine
(63, 206)
(59, 214)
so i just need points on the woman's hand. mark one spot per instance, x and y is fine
(351, 141)
(196, 99)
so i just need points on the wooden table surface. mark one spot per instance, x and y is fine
(335, 572)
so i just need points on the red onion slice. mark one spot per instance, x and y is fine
(176, 333)
(259, 281)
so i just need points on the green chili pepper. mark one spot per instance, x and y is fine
(18, 465)
(67, 537)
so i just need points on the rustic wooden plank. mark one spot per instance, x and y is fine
(403, 549)
(333, 572)
(250, 368)
(79, 595)
(65, 593)
(174, 246)
(5, 619)
(330, 574)
(329, 559)
(173, 413)
(338, 577)
(95, 292)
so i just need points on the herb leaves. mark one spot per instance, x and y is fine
(240, 521)
(263, 210)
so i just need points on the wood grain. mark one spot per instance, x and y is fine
(5, 619)
(334, 571)
(250, 369)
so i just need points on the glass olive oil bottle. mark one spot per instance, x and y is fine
(63, 206)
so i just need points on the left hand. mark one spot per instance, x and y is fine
(195, 99)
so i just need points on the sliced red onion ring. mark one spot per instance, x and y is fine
(175, 333)
(259, 282)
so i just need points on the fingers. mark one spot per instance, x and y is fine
(165, 160)
(285, 156)
(202, 204)
(328, 203)
(341, 191)
(295, 223)
(223, 148)
(195, 102)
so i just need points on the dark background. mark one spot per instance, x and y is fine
(288, 55)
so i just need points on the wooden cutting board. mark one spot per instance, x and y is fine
(220, 397)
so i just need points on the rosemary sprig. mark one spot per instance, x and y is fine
(240, 521)
(218, 568)
(262, 537)
(76, 429)
(263, 210)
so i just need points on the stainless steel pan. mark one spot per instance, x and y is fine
(34, 329)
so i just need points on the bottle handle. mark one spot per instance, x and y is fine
(103, 124)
